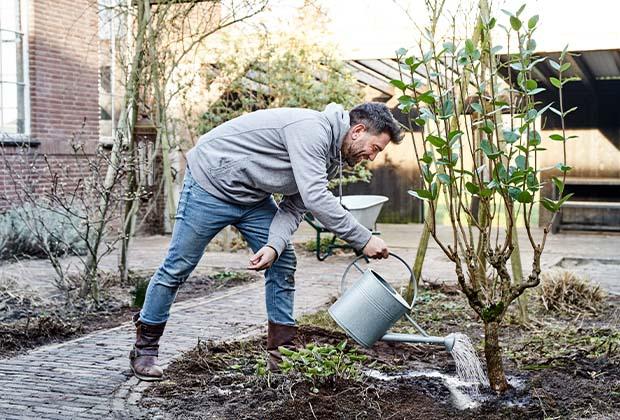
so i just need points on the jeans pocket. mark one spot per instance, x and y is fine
(186, 193)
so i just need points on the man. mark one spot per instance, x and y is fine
(231, 176)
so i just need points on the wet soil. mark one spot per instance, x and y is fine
(27, 323)
(580, 378)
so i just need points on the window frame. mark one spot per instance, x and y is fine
(21, 139)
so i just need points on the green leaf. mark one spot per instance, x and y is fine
(449, 46)
(565, 199)
(531, 23)
(435, 141)
(514, 192)
(531, 115)
(531, 45)
(520, 161)
(453, 135)
(555, 82)
(555, 111)
(517, 66)
(570, 110)
(421, 194)
(549, 204)
(434, 190)
(534, 138)
(285, 351)
(472, 188)
(400, 52)
(556, 137)
(515, 22)
(448, 107)
(427, 157)
(562, 167)
(444, 179)
(564, 67)
(489, 149)
(530, 84)
(488, 126)
(486, 192)
(556, 66)
(342, 345)
(521, 9)
(544, 109)
(536, 91)
(563, 54)
(469, 46)
(399, 84)
(426, 172)
(420, 122)
(524, 197)
(496, 49)
(427, 97)
(477, 107)
(510, 136)
(558, 184)
(406, 100)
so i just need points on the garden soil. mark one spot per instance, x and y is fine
(575, 379)
(26, 323)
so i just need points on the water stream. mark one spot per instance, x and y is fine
(465, 386)
(468, 366)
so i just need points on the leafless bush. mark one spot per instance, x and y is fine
(566, 292)
(84, 200)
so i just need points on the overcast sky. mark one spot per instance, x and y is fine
(375, 28)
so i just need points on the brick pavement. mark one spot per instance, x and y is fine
(89, 377)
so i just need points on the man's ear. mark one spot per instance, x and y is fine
(357, 130)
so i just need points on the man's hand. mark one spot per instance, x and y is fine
(263, 258)
(376, 248)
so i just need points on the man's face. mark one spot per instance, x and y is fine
(363, 145)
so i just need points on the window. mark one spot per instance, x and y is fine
(111, 28)
(14, 96)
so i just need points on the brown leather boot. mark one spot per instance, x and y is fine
(278, 335)
(143, 356)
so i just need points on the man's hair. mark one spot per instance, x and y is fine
(377, 118)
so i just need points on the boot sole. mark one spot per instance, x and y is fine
(145, 378)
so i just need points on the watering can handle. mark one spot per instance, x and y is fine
(411, 280)
(411, 276)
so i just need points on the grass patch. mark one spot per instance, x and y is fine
(320, 319)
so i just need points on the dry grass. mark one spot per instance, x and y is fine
(566, 292)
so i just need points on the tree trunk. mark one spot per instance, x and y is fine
(493, 355)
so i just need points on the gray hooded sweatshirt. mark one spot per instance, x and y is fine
(285, 150)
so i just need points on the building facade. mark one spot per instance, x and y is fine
(49, 86)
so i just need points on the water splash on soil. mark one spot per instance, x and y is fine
(468, 366)
(461, 398)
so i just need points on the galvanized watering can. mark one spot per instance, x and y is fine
(368, 309)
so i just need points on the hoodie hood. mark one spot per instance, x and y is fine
(339, 121)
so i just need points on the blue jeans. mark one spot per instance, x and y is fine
(200, 216)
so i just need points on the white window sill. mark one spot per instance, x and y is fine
(18, 140)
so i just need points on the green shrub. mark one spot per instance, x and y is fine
(29, 230)
(300, 76)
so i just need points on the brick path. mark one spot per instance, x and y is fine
(89, 377)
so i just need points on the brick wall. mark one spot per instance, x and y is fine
(64, 95)
(63, 40)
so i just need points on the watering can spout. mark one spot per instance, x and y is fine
(447, 342)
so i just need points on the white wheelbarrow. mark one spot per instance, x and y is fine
(365, 209)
